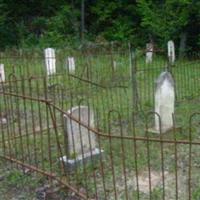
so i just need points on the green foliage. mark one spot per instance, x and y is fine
(115, 21)
(15, 178)
(164, 20)
(57, 23)
(61, 28)
(196, 194)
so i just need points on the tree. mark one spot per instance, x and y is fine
(170, 19)
(114, 20)
(58, 23)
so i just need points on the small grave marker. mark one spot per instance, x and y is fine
(2, 73)
(81, 142)
(171, 51)
(71, 64)
(114, 64)
(149, 53)
(50, 61)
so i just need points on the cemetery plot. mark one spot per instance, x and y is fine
(82, 129)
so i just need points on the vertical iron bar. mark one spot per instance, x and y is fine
(133, 79)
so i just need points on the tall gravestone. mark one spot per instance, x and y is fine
(171, 51)
(149, 53)
(81, 142)
(50, 61)
(164, 102)
(2, 73)
(71, 64)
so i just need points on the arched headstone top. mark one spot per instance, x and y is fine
(164, 76)
(82, 113)
(170, 43)
(49, 52)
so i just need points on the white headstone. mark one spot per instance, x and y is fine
(164, 102)
(50, 61)
(2, 73)
(114, 64)
(81, 142)
(71, 64)
(171, 51)
(149, 53)
(79, 138)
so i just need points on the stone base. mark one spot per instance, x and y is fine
(153, 130)
(78, 161)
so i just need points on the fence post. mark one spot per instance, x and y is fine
(112, 59)
(133, 71)
(169, 69)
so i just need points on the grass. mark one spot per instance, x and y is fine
(15, 185)
(41, 149)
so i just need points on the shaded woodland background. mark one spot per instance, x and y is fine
(69, 23)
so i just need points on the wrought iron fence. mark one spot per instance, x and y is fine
(82, 128)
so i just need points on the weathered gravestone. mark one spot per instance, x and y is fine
(171, 51)
(71, 65)
(164, 102)
(114, 64)
(2, 73)
(149, 53)
(81, 142)
(50, 61)
(3, 120)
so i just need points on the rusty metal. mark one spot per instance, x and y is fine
(176, 157)
(50, 175)
(25, 135)
(100, 133)
(34, 134)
